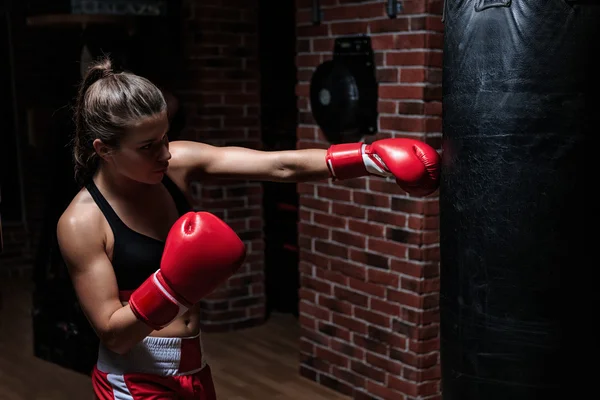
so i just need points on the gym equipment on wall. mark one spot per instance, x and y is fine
(343, 91)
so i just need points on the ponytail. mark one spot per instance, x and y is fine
(84, 155)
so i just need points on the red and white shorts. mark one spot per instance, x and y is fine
(156, 368)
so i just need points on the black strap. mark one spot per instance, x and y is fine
(181, 202)
(110, 214)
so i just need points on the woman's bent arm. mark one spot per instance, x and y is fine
(83, 248)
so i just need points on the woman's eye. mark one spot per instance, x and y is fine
(146, 147)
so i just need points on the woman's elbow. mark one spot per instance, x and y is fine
(115, 343)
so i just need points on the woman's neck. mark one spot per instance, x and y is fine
(120, 185)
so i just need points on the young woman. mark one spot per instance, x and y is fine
(135, 187)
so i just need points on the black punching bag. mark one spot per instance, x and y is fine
(520, 90)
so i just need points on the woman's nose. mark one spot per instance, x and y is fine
(165, 154)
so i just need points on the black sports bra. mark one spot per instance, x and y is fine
(135, 256)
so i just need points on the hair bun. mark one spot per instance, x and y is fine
(98, 70)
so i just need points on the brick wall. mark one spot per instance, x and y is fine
(219, 88)
(369, 252)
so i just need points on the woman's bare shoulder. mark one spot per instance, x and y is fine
(81, 223)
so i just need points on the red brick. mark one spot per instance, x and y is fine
(402, 123)
(348, 349)
(429, 388)
(385, 307)
(423, 254)
(308, 295)
(305, 132)
(406, 387)
(435, 59)
(366, 228)
(387, 75)
(434, 24)
(372, 317)
(307, 322)
(389, 25)
(334, 331)
(368, 371)
(370, 259)
(351, 324)
(405, 58)
(386, 217)
(435, 41)
(366, 287)
(315, 204)
(348, 269)
(315, 337)
(335, 305)
(348, 239)
(371, 199)
(337, 194)
(316, 285)
(404, 298)
(410, 41)
(388, 107)
(329, 220)
(369, 344)
(348, 28)
(390, 248)
(311, 30)
(412, 75)
(382, 42)
(302, 89)
(331, 249)
(410, 107)
(303, 17)
(315, 362)
(322, 44)
(350, 377)
(314, 231)
(425, 286)
(384, 392)
(383, 277)
(426, 346)
(306, 346)
(314, 311)
(332, 276)
(331, 357)
(348, 210)
(359, 299)
(400, 92)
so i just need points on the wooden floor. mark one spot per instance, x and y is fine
(257, 363)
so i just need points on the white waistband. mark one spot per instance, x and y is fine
(153, 355)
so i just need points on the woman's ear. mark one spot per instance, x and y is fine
(101, 149)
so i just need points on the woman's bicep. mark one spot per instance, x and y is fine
(91, 273)
(200, 159)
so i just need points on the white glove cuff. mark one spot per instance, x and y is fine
(373, 164)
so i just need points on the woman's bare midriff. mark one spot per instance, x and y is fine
(186, 325)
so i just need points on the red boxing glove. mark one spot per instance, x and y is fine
(201, 252)
(414, 164)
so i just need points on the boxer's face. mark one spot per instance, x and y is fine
(143, 154)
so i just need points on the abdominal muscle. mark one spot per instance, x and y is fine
(186, 325)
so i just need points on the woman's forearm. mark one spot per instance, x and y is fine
(304, 165)
(124, 331)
